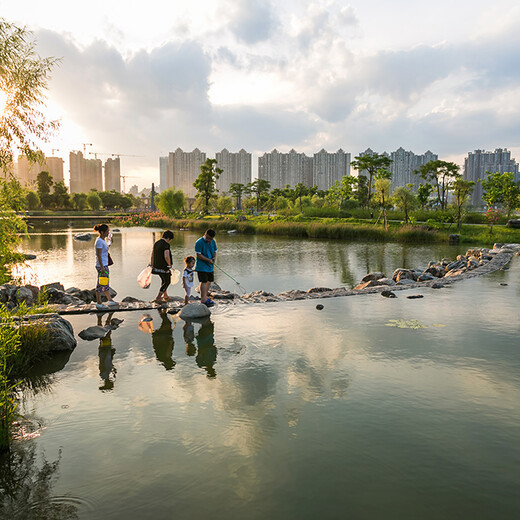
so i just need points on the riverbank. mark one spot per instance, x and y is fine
(344, 229)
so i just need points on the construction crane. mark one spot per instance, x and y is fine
(95, 154)
(85, 147)
(125, 155)
(124, 177)
(54, 150)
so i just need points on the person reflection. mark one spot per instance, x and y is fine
(189, 337)
(107, 371)
(162, 341)
(206, 350)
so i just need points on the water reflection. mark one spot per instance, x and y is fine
(106, 352)
(162, 341)
(206, 351)
(26, 487)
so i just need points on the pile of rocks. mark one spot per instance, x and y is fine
(472, 260)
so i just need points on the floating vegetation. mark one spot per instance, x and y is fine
(406, 324)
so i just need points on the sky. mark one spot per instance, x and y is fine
(141, 79)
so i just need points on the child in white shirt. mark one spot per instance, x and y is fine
(187, 277)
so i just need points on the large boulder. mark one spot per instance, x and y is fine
(62, 298)
(513, 223)
(57, 332)
(53, 285)
(94, 332)
(194, 310)
(371, 283)
(436, 270)
(6, 292)
(24, 295)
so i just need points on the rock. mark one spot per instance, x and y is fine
(232, 231)
(372, 276)
(95, 332)
(54, 285)
(415, 296)
(29, 257)
(174, 311)
(497, 245)
(370, 283)
(116, 230)
(131, 299)
(403, 274)
(513, 223)
(57, 334)
(455, 272)
(6, 292)
(319, 306)
(457, 264)
(83, 236)
(62, 298)
(437, 285)
(388, 294)
(503, 283)
(435, 270)
(224, 295)
(405, 281)
(24, 294)
(72, 290)
(386, 281)
(194, 310)
(454, 239)
(318, 290)
(425, 277)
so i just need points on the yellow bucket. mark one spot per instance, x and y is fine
(103, 280)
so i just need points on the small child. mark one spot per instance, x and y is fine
(187, 277)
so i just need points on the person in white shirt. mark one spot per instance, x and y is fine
(187, 277)
(102, 263)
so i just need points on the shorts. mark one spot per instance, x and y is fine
(104, 273)
(205, 276)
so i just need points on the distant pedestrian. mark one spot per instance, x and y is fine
(206, 252)
(162, 264)
(103, 261)
(187, 277)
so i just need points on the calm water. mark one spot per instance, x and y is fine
(280, 410)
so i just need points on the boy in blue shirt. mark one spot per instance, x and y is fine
(206, 252)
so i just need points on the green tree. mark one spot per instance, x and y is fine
(23, 78)
(79, 201)
(223, 204)
(237, 189)
(205, 183)
(259, 188)
(382, 187)
(371, 164)
(60, 196)
(423, 194)
(405, 199)
(44, 183)
(461, 189)
(442, 174)
(170, 202)
(32, 201)
(501, 188)
(94, 200)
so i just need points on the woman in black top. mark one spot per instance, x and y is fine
(162, 263)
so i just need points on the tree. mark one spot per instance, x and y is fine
(32, 201)
(461, 189)
(94, 200)
(501, 188)
(442, 174)
(405, 199)
(371, 164)
(223, 204)
(205, 183)
(170, 202)
(237, 189)
(44, 182)
(259, 187)
(23, 78)
(382, 192)
(61, 198)
(79, 201)
(423, 194)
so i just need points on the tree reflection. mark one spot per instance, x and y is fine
(26, 487)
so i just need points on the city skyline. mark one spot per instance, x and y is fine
(260, 75)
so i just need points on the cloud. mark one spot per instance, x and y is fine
(252, 21)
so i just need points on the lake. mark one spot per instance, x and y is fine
(371, 408)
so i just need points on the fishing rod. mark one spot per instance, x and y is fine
(236, 281)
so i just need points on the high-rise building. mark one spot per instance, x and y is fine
(236, 169)
(479, 163)
(329, 168)
(27, 172)
(281, 169)
(113, 175)
(163, 173)
(85, 174)
(405, 163)
(183, 170)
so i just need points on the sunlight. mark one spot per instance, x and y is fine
(3, 102)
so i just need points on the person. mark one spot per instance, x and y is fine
(102, 263)
(206, 351)
(206, 251)
(187, 277)
(162, 263)
(106, 355)
(162, 341)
